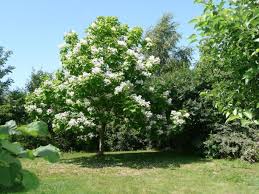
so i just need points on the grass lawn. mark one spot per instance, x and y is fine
(142, 172)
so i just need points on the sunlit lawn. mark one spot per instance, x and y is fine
(142, 172)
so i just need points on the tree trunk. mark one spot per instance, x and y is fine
(101, 139)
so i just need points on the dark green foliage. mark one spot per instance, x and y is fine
(233, 141)
(124, 139)
(13, 107)
(36, 79)
(74, 141)
(185, 87)
(11, 102)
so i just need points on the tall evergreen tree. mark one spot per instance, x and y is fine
(4, 71)
(165, 38)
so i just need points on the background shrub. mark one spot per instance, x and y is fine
(233, 141)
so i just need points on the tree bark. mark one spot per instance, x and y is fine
(101, 139)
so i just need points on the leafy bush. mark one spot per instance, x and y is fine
(233, 141)
(11, 172)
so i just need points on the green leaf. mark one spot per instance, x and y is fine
(193, 38)
(203, 94)
(10, 169)
(27, 154)
(11, 124)
(199, 1)
(232, 117)
(29, 180)
(5, 176)
(235, 111)
(248, 114)
(49, 152)
(227, 114)
(15, 147)
(37, 128)
(245, 122)
(4, 132)
(193, 21)
(255, 52)
(7, 129)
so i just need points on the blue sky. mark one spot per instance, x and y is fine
(34, 29)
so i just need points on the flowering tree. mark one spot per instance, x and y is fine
(100, 85)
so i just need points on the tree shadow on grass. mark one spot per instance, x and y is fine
(136, 160)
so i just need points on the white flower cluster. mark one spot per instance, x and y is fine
(149, 42)
(77, 48)
(151, 89)
(123, 41)
(122, 86)
(157, 121)
(178, 118)
(70, 33)
(34, 108)
(95, 50)
(135, 52)
(62, 116)
(153, 60)
(39, 110)
(140, 100)
(97, 65)
(96, 70)
(71, 93)
(166, 95)
(112, 50)
(140, 82)
(148, 114)
(110, 75)
(72, 120)
(143, 64)
(49, 111)
(93, 25)
(62, 45)
(38, 91)
(83, 42)
(30, 108)
(47, 83)
(69, 102)
(91, 135)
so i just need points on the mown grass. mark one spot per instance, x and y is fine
(142, 172)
